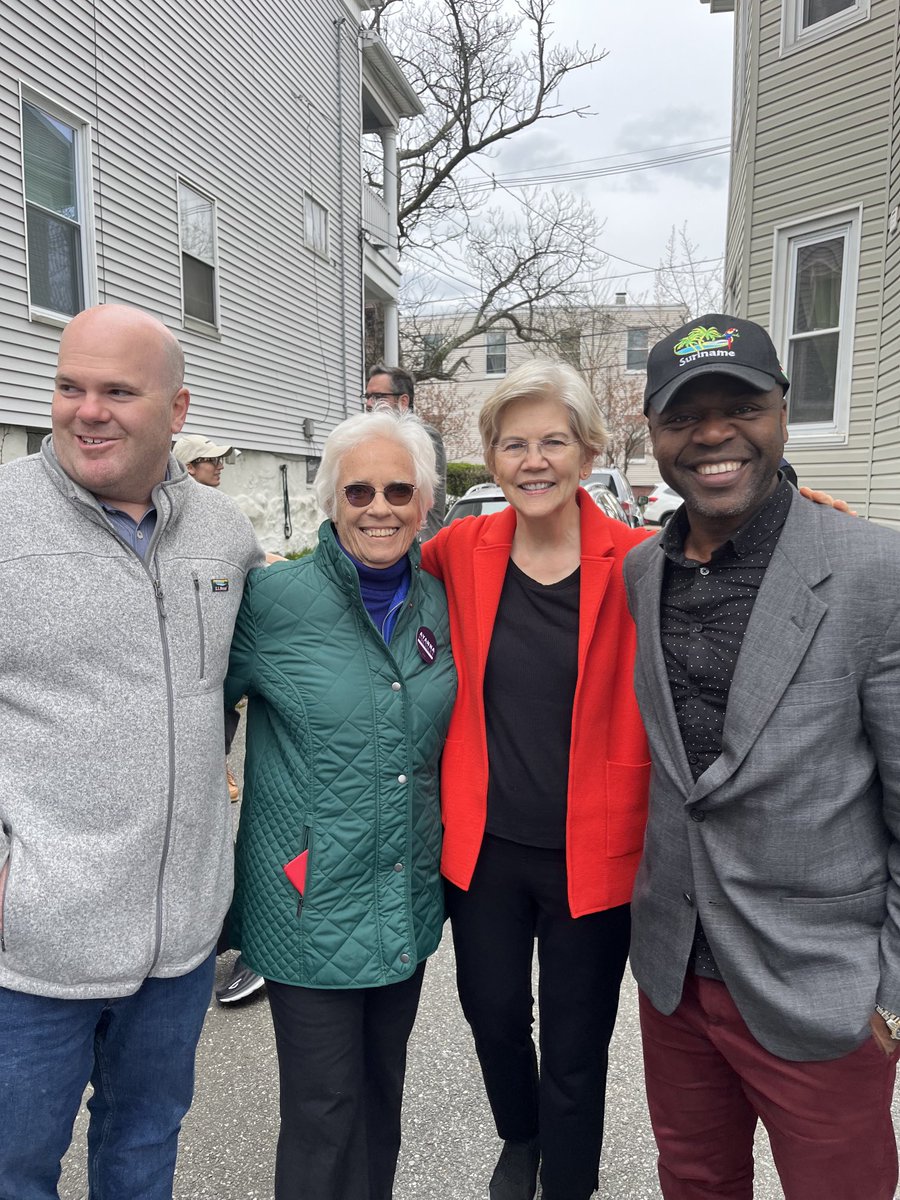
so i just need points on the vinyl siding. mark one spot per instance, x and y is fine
(816, 139)
(241, 100)
(884, 502)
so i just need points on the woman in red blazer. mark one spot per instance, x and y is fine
(544, 778)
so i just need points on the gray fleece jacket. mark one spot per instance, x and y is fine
(113, 802)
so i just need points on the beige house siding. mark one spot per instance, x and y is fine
(816, 140)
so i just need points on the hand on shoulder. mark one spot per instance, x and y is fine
(828, 500)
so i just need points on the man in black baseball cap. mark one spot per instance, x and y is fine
(715, 405)
(711, 345)
(765, 939)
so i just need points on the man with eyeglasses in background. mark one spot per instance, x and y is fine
(394, 386)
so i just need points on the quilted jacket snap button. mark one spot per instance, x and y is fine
(401, 779)
(404, 958)
(398, 866)
(395, 687)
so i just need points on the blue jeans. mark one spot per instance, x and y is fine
(138, 1054)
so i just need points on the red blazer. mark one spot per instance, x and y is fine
(609, 767)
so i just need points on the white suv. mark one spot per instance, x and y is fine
(661, 504)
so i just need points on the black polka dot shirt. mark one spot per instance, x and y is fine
(705, 609)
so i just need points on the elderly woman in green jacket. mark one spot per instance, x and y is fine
(345, 657)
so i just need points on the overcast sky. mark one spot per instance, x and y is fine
(663, 89)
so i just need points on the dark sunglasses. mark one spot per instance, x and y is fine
(361, 495)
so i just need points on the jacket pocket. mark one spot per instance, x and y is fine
(293, 868)
(627, 786)
(201, 632)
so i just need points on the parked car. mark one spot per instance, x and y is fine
(612, 478)
(478, 500)
(662, 503)
(488, 498)
(603, 498)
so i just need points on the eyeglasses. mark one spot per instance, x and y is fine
(215, 462)
(551, 447)
(361, 495)
(375, 397)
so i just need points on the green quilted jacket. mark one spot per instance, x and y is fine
(344, 739)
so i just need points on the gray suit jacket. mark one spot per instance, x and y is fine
(787, 846)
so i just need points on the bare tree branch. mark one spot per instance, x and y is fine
(484, 73)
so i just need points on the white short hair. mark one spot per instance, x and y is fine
(404, 428)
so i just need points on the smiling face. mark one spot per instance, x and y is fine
(117, 402)
(381, 533)
(718, 443)
(537, 486)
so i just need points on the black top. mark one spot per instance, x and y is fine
(704, 613)
(529, 692)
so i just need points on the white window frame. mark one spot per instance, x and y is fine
(493, 351)
(312, 207)
(84, 191)
(788, 238)
(197, 324)
(628, 349)
(794, 37)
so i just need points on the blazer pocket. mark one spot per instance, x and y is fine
(627, 786)
(819, 691)
(869, 897)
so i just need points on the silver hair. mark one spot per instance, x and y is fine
(404, 428)
(537, 379)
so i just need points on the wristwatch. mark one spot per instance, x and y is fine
(891, 1020)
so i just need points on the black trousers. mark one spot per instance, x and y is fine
(517, 894)
(341, 1065)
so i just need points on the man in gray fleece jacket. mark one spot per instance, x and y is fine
(119, 585)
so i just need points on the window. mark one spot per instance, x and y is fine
(637, 349)
(431, 345)
(495, 352)
(569, 342)
(815, 11)
(315, 225)
(805, 21)
(197, 222)
(54, 157)
(814, 304)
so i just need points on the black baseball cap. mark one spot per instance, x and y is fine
(713, 344)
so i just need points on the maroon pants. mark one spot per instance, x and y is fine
(709, 1081)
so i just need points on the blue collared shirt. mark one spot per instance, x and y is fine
(136, 534)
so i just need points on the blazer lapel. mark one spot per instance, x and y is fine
(662, 719)
(596, 568)
(784, 620)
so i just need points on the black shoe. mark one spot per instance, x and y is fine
(242, 983)
(515, 1175)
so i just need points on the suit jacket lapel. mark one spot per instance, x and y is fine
(783, 622)
(653, 665)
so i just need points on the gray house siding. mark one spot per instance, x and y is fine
(814, 141)
(885, 481)
(241, 101)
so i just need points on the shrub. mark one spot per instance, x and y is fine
(461, 476)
